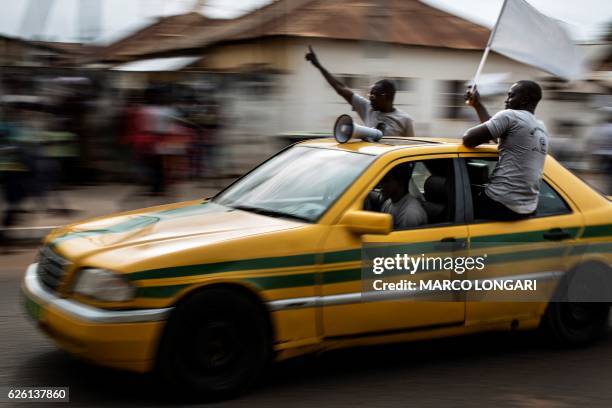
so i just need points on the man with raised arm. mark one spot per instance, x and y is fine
(514, 185)
(377, 111)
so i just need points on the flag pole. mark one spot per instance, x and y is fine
(488, 47)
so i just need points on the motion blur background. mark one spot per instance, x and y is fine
(108, 105)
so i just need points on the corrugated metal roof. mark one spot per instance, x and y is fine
(67, 47)
(155, 36)
(406, 22)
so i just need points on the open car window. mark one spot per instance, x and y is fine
(430, 185)
(479, 171)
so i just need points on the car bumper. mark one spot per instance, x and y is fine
(124, 339)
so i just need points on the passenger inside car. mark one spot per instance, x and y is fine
(416, 193)
(394, 198)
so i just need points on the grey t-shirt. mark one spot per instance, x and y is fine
(397, 123)
(407, 212)
(523, 145)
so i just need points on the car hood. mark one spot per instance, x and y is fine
(201, 222)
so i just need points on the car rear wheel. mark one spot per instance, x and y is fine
(576, 324)
(215, 345)
(580, 310)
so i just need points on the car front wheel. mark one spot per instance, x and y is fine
(215, 345)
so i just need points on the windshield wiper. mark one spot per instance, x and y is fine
(271, 213)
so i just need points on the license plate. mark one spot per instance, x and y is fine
(33, 309)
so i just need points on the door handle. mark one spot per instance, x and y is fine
(557, 234)
(451, 243)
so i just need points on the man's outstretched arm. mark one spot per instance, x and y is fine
(338, 86)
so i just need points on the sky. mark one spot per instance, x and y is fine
(585, 18)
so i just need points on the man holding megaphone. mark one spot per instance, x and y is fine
(377, 111)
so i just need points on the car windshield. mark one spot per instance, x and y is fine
(300, 183)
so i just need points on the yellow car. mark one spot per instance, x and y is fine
(206, 292)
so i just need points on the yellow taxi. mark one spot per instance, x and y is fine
(207, 292)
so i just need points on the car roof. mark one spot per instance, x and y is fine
(415, 145)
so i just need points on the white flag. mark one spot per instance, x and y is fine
(492, 84)
(526, 35)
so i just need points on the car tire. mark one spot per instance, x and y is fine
(571, 324)
(579, 311)
(578, 314)
(215, 345)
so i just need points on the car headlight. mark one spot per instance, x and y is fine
(104, 285)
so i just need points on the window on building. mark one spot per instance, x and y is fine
(452, 99)
(403, 84)
(353, 81)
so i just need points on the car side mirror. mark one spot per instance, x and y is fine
(367, 222)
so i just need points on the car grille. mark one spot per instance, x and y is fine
(51, 268)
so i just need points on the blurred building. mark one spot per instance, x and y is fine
(18, 52)
(257, 63)
(253, 67)
(161, 33)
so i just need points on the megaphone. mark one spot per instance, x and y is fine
(345, 129)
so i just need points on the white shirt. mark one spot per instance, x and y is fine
(523, 145)
(397, 122)
(407, 212)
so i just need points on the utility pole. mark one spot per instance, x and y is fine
(89, 20)
(198, 5)
(35, 19)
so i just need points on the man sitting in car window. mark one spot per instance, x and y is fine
(395, 199)
(514, 185)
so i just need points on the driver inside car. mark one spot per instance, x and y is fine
(394, 198)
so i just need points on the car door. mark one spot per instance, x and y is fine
(347, 311)
(533, 249)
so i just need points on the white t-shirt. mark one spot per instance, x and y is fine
(397, 122)
(523, 145)
(407, 212)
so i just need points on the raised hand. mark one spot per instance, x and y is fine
(472, 97)
(312, 57)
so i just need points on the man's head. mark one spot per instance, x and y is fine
(395, 183)
(524, 95)
(381, 95)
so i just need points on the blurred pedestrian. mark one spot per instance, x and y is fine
(155, 120)
(57, 146)
(14, 169)
(75, 107)
(157, 135)
(377, 111)
(602, 150)
(208, 123)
